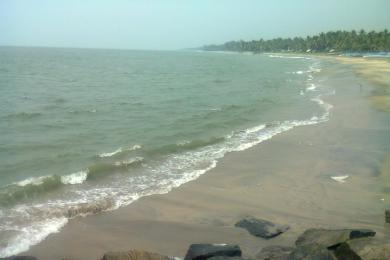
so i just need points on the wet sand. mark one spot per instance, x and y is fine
(286, 179)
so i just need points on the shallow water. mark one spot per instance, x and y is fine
(84, 131)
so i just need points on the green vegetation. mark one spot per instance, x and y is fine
(338, 41)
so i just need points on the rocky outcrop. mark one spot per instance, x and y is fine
(213, 251)
(261, 228)
(311, 252)
(330, 238)
(324, 244)
(363, 248)
(274, 253)
(134, 255)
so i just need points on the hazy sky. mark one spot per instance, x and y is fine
(173, 24)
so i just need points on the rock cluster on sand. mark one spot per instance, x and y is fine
(195, 252)
(343, 244)
(261, 228)
(213, 251)
(313, 244)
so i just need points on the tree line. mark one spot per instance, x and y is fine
(333, 41)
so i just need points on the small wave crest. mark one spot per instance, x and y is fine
(111, 154)
(186, 145)
(35, 186)
(288, 57)
(29, 188)
(100, 170)
(120, 150)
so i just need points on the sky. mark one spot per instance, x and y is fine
(177, 24)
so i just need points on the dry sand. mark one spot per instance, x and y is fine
(376, 71)
(286, 179)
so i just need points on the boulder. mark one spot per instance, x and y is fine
(330, 238)
(134, 255)
(274, 253)
(208, 251)
(363, 248)
(261, 228)
(311, 252)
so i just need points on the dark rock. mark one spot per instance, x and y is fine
(330, 238)
(134, 255)
(207, 251)
(311, 252)
(359, 233)
(19, 257)
(274, 253)
(261, 228)
(363, 248)
(387, 216)
(225, 258)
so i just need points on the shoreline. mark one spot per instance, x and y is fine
(275, 182)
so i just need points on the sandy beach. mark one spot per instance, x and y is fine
(286, 179)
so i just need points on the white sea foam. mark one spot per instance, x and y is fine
(311, 87)
(135, 147)
(75, 178)
(255, 129)
(129, 161)
(288, 57)
(183, 142)
(119, 150)
(32, 180)
(340, 178)
(32, 235)
(111, 154)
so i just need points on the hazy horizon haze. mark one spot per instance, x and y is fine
(174, 24)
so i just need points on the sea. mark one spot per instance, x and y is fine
(83, 131)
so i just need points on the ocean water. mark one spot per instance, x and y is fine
(85, 131)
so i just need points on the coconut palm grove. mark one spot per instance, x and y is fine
(332, 41)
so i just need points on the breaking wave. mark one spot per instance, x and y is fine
(119, 150)
(36, 186)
